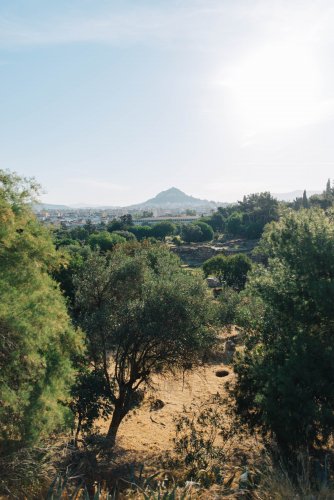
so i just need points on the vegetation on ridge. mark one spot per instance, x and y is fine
(90, 318)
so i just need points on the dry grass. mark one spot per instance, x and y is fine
(144, 464)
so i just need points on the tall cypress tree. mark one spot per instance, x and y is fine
(328, 187)
(305, 201)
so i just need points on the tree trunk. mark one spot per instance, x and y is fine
(116, 420)
(78, 430)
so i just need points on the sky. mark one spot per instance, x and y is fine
(110, 102)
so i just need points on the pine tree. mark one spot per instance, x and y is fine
(36, 336)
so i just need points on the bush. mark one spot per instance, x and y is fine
(126, 234)
(231, 270)
(197, 232)
(104, 240)
(163, 229)
(229, 300)
(141, 232)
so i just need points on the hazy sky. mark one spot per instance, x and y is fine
(109, 102)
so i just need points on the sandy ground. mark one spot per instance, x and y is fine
(152, 432)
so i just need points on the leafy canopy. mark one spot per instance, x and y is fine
(285, 375)
(142, 314)
(230, 270)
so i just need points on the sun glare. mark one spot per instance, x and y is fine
(277, 87)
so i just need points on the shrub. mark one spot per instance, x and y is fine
(197, 232)
(231, 270)
(126, 234)
(104, 240)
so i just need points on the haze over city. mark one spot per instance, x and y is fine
(112, 102)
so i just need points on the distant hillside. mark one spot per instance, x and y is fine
(175, 198)
(38, 207)
(293, 195)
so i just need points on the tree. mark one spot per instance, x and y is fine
(89, 227)
(190, 212)
(126, 234)
(142, 314)
(285, 374)
(207, 231)
(249, 217)
(141, 232)
(163, 229)
(234, 224)
(115, 225)
(147, 214)
(197, 232)
(328, 188)
(230, 270)
(37, 341)
(324, 200)
(75, 259)
(305, 202)
(191, 233)
(320, 200)
(216, 221)
(126, 221)
(105, 240)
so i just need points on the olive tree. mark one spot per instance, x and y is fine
(142, 314)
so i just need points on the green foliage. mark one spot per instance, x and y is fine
(191, 233)
(142, 314)
(324, 200)
(104, 240)
(89, 227)
(177, 241)
(230, 270)
(285, 382)
(90, 399)
(75, 258)
(163, 229)
(37, 340)
(216, 221)
(229, 301)
(126, 234)
(115, 225)
(159, 230)
(248, 217)
(141, 232)
(207, 231)
(126, 221)
(73, 236)
(197, 232)
(234, 224)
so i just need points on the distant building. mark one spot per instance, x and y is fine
(177, 219)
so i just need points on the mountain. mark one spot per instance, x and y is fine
(175, 198)
(293, 195)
